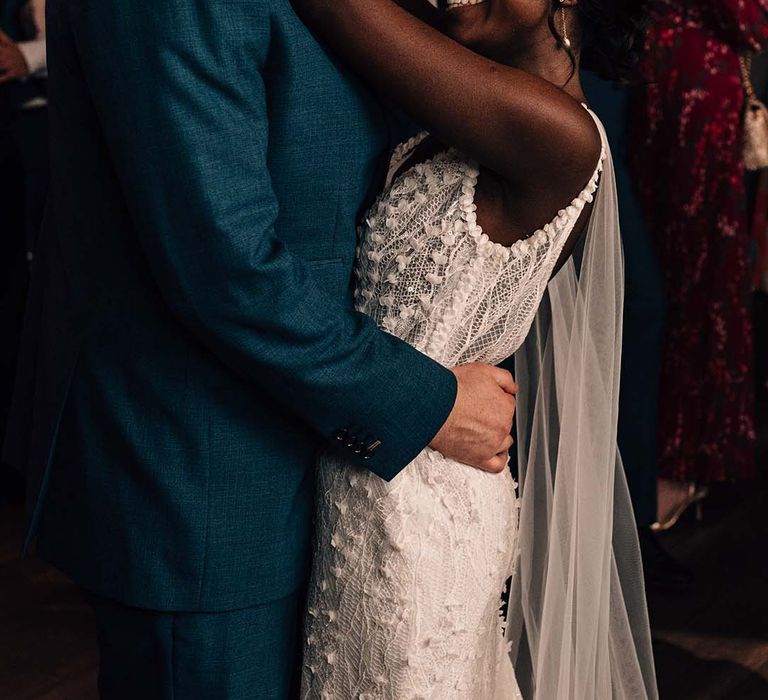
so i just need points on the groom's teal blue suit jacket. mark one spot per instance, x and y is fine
(190, 340)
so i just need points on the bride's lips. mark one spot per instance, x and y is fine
(453, 4)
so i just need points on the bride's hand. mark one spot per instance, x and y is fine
(477, 431)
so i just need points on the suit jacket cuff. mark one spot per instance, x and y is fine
(423, 399)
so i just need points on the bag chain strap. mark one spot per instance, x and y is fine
(745, 63)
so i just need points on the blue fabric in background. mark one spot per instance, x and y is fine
(643, 311)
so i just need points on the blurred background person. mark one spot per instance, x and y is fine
(23, 180)
(759, 202)
(686, 158)
(23, 72)
(758, 191)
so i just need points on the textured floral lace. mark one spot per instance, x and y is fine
(408, 575)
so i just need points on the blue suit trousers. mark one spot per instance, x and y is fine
(248, 654)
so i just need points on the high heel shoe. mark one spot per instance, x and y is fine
(694, 497)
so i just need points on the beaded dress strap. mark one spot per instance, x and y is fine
(402, 153)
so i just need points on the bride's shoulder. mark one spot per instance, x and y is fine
(568, 146)
(587, 139)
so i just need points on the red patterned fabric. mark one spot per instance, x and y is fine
(687, 145)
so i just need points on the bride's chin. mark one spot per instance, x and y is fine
(464, 23)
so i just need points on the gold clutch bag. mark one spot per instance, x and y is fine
(755, 122)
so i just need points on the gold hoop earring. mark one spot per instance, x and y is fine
(566, 40)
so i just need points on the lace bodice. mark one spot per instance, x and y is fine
(429, 275)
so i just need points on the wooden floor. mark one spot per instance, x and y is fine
(47, 639)
(711, 644)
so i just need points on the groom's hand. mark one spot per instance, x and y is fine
(477, 431)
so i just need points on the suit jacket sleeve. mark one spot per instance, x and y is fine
(181, 100)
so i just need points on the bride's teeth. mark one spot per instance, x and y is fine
(461, 3)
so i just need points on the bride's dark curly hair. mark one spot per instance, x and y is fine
(612, 35)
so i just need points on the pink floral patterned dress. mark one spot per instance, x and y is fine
(687, 144)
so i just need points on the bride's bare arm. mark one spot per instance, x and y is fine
(512, 122)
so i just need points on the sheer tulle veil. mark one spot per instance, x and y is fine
(578, 625)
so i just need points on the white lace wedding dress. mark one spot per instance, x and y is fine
(408, 575)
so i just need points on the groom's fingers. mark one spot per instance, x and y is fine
(505, 380)
(482, 416)
(498, 463)
(505, 447)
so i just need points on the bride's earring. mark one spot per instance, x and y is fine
(566, 40)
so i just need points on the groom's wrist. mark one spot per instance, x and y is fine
(425, 404)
